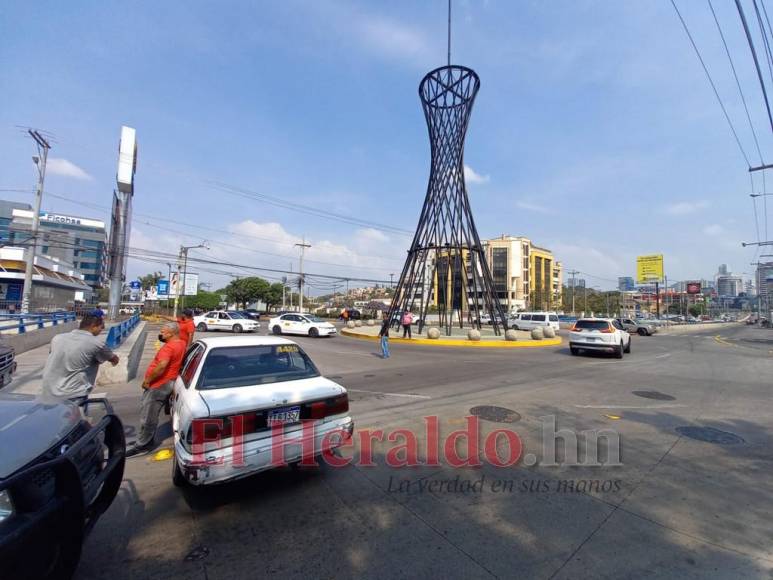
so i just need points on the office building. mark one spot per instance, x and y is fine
(729, 285)
(625, 284)
(525, 276)
(6, 217)
(79, 241)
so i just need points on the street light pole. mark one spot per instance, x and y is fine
(184, 259)
(40, 161)
(303, 245)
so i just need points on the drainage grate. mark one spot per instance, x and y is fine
(495, 414)
(657, 395)
(710, 435)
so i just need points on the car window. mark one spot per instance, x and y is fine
(238, 315)
(525, 316)
(592, 324)
(211, 315)
(191, 363)
(628, 321)
(223, 316)
(617, 325)
(554, 318)
(241, 366)
(538, 317)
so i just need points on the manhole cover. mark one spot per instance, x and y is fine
(710, 435)
(496, 414)
(657, 395)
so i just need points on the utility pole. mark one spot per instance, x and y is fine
(40, 161)
(284, 287)
(303, 245)
(391, 281)
(573, 273)
(181, 282)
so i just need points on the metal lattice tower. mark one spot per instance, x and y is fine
(446, 265)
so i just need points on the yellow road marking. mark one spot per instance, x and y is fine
(163, 455)
(613, 417)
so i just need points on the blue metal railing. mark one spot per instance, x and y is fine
(118, 333)
(24, 322)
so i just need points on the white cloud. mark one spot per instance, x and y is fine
(470, 176)
(686, 207)
(66, 168)
(531, 207)
(390, 38)
(713, 230)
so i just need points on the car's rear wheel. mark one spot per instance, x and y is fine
(642, 332)
(237, 328)
(313, 332)
(619, 351)
(277, 330)
(178, 479)
(628, 348)
(201, 327)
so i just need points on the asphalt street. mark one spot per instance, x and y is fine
(674, 506)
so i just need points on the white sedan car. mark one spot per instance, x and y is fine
(305, 324)
(225, 320)
(599, 334)
(241, 403)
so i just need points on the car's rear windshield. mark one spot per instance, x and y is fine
(241, 366)
(592, 324)
(538, 317)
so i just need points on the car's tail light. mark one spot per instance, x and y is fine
(329, 407)
(608, 330)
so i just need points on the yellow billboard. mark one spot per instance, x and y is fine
(649, 268)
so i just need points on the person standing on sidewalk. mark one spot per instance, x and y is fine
(384, 334)
(407, 321)
(71, 368)
(158, 385)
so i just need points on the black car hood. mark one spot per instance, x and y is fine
(29, 426)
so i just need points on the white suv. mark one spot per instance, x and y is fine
(601, 334)
(530, 320)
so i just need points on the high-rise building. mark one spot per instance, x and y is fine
(722, 270)
(6, 217)
(625, 284)
(729, 285)
(524, 275)
(79, 241)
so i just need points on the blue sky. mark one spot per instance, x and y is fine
(594, 133)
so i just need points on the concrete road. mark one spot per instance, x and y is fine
(674, 507)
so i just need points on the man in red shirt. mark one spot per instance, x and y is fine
(158, 385)
(186, 325)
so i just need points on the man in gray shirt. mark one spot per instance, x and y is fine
(72, 365)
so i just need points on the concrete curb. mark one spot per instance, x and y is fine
(34, 338)
(129, 354)
(462, 343)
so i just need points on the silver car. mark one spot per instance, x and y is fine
(638, 326)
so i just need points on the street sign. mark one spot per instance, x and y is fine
(191, 284)
(649, 268)
(134, 285)
(162, 289)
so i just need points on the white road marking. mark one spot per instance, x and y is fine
(390, 394)
(628, 406)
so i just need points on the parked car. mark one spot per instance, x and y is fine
(530, 320)
(59, 472)
(599, 334)
(264, 380)
(231, 320)
(252, 313)
(637, 326)
(7, 364)
(306, 324)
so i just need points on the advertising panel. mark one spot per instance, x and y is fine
(649, 268)
(693, 287)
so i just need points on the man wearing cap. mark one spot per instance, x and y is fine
(158, 385)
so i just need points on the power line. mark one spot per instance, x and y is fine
(754, 56)
(711, 82)
(738, 83)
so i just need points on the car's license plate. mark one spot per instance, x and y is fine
(284, 415)
(590, 339)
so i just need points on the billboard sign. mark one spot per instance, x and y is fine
(162, 289)
(693, 287)
(127, 160)
(191, 281)
(134, 284)
(649, 268)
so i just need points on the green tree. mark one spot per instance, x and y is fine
(148, 281)
(203, 300)
(273, 295)
(242, 291)
(697, 309)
